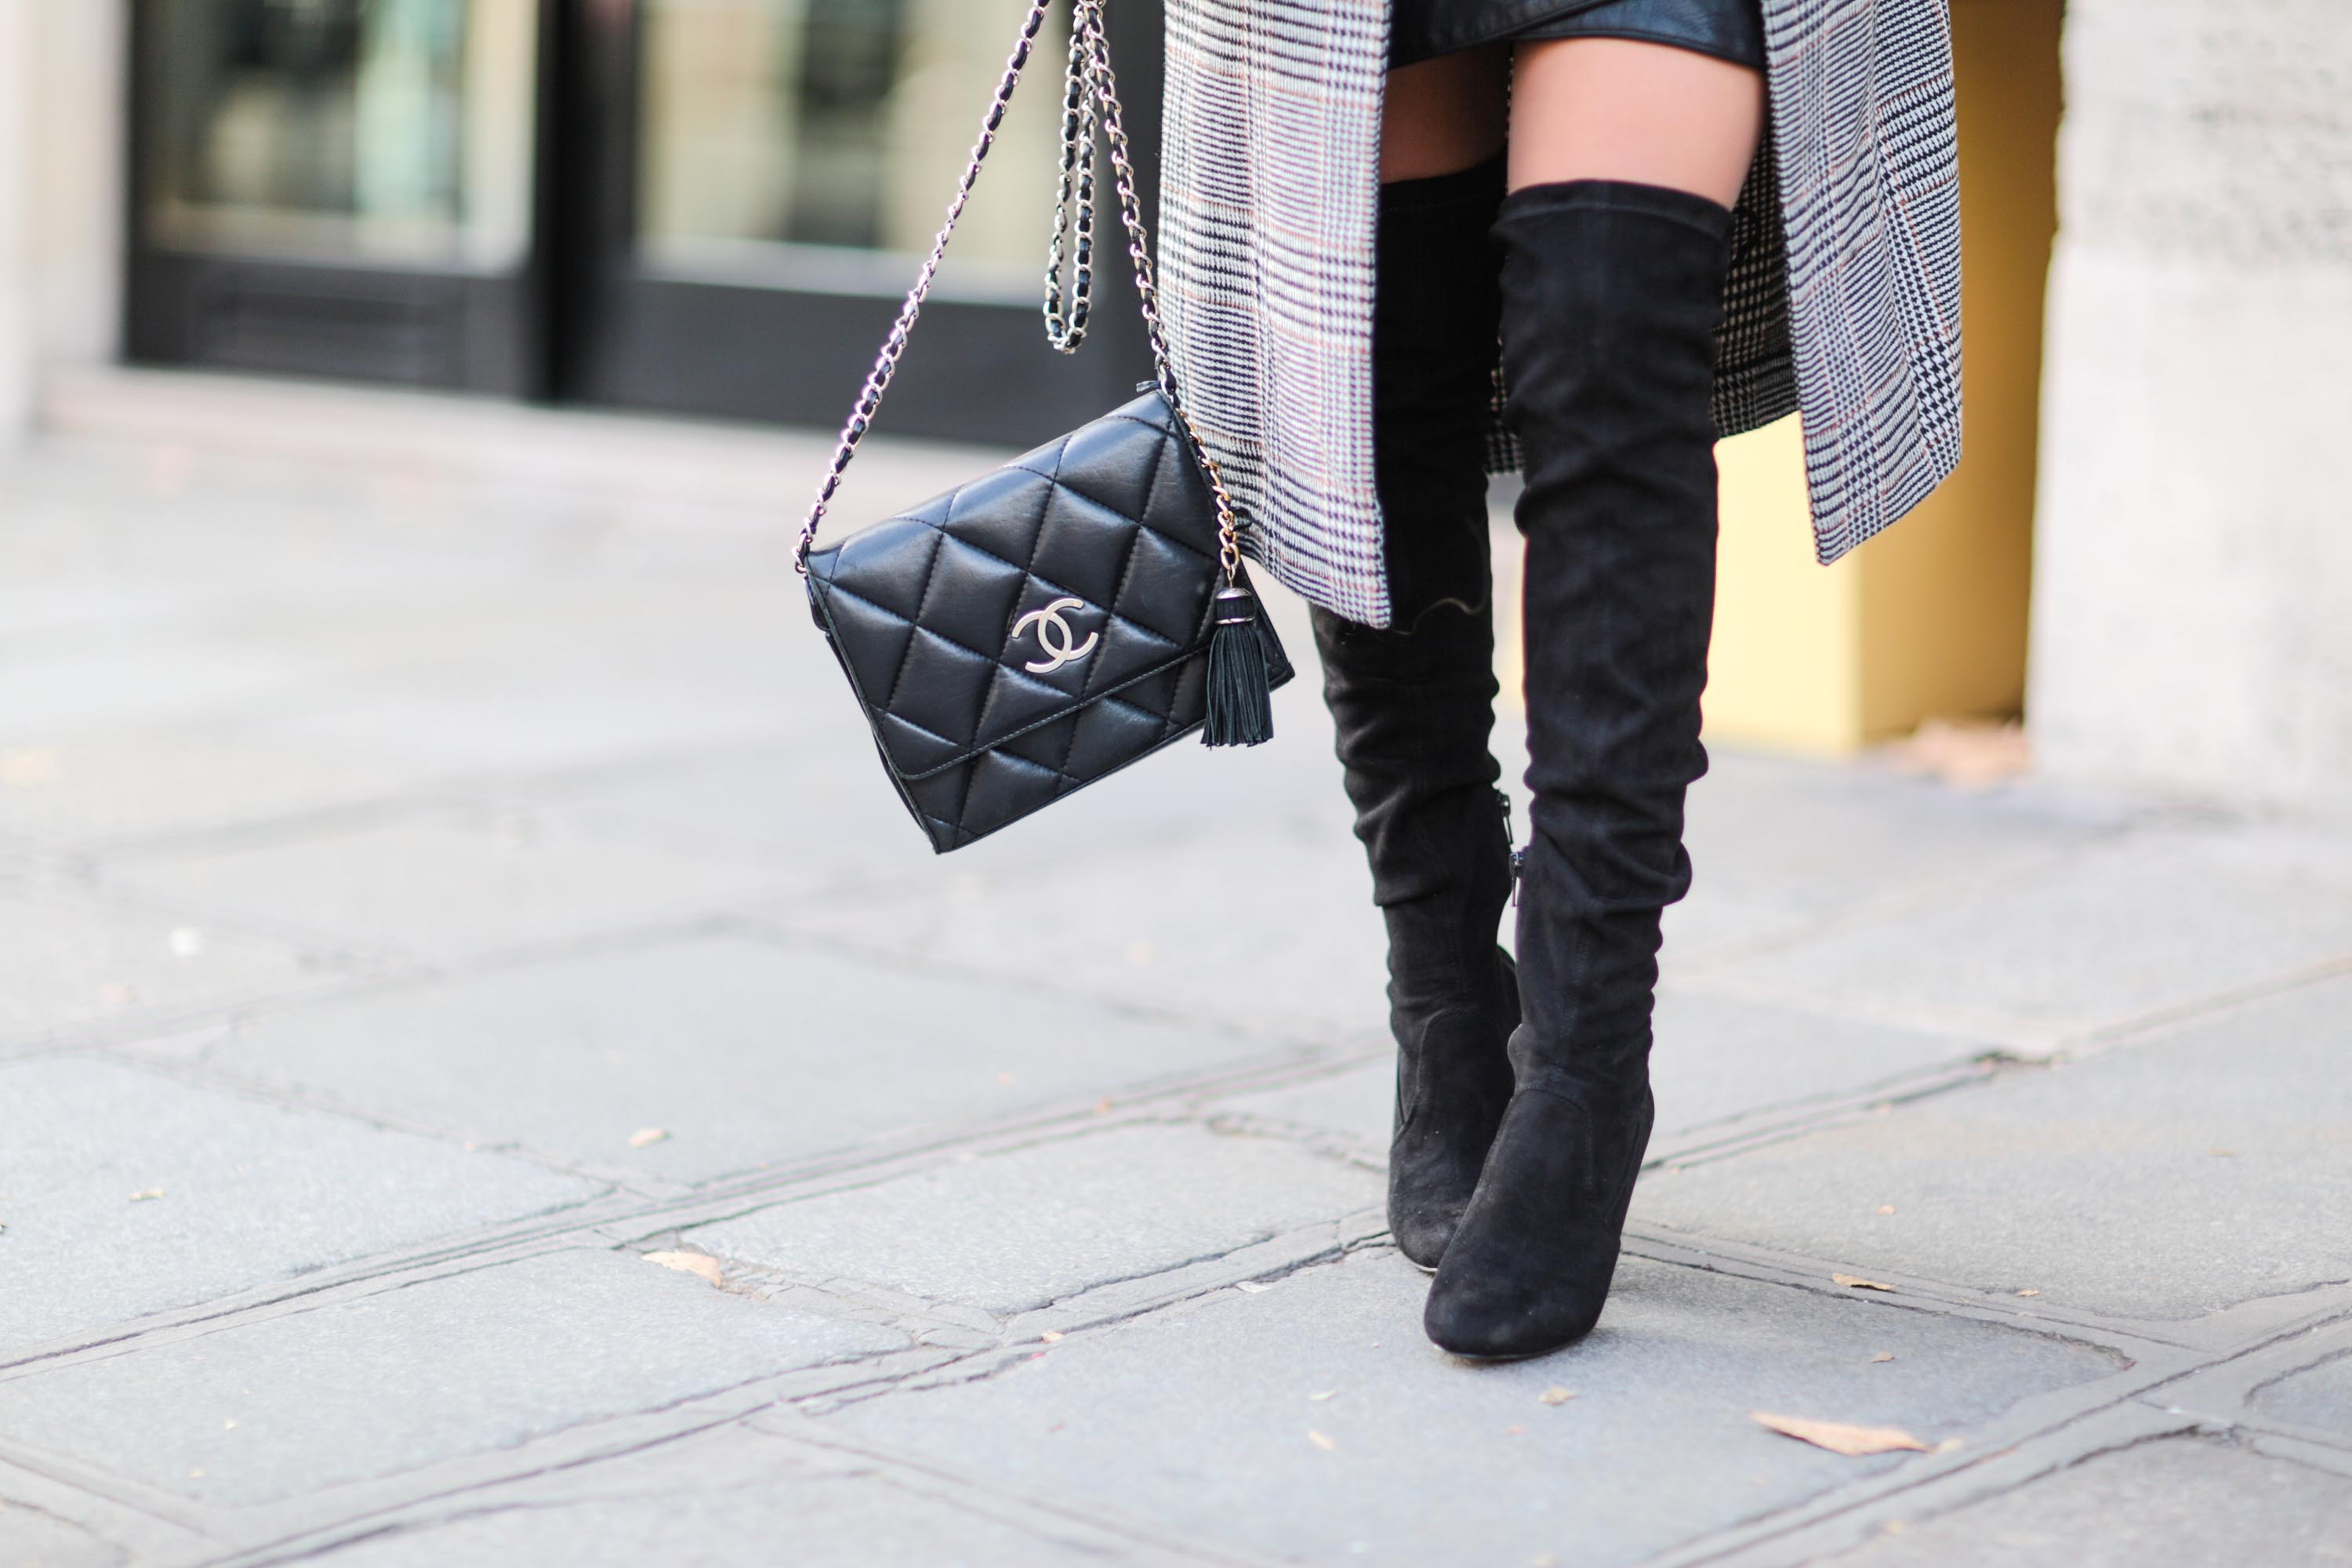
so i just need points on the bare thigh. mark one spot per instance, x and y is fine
(1577, 109)
(1444, 115)
(1616, 108)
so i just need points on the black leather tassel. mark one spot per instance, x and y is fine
(1241, 695)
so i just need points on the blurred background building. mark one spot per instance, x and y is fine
(709, 207)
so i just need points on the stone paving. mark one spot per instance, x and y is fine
(423, 901)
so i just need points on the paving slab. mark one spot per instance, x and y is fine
(155, 680)
(1716, 1062)
(2174, 1502)
(824, 806)
(1264, 919)
(32, 1538)
(504, 724)
(1008, 1232)
(1356, 1103)
(2317, 1397)
(2118, 933)
(739, 1500)
(430, 625)
(225, 533)
(2163, 1180)
(83, 788)
(1223, 883)
(75, 957)
(745, 1049)
(1314, 1423)
(246, 1193)
(381, 1383)
(56, 603)
(443, 882)
(814, 814)
(1776, 842)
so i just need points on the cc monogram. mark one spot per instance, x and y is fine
(1054, 635)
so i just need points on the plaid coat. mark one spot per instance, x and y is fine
(1844, 300)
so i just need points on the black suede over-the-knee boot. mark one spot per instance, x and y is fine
(1611, 296)
(1415, 705)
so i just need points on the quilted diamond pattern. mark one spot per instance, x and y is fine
(1024, 635)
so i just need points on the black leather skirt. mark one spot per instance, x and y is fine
(1728, 29)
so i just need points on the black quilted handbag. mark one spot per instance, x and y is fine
(1028, 632)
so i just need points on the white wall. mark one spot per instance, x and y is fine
(17, 314)
(2192, 618)
(79, 97)
(61, 158)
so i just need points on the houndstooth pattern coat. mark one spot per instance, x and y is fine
(1844, 300)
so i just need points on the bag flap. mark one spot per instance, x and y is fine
(1059, 580)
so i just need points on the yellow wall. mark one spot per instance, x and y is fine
(1929, 617)
(1786, 668)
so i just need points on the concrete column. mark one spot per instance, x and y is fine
(2192, 615)
(61, 193)
(17, 70)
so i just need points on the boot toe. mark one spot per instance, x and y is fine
(1486, 1320)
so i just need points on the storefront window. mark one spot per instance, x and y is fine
(374, 131)
(813, 143)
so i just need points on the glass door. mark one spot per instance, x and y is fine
(761, 180)
(711, 206)
(342, 187)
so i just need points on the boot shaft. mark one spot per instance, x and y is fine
(1611, 294)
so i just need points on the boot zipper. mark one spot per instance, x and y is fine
(1511, 839)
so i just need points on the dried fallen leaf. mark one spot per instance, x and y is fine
(1838, 1438)
(700, 1264)
(1321, 1442)
(1883, 1355)
(1513, 1431)
(645, 1136)
(1971, 755)
(2029, 1292)
(30, 767)
(1886, 1208)
(1556, 1395)
(144, 1193)
(1856, 1282)
(1051, 1336)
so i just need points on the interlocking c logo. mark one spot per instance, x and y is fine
(1054, 635)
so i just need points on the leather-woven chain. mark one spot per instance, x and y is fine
(1068, 309)
(1090, 103)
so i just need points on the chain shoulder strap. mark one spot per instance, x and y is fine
(1090, 105)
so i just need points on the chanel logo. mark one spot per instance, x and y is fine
(1054, 635)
